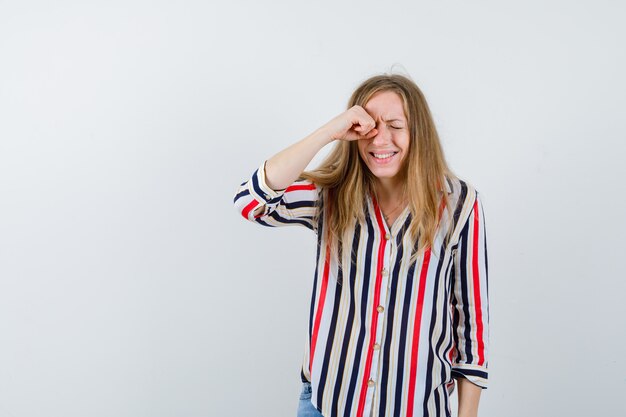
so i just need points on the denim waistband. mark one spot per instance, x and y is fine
(306, 387)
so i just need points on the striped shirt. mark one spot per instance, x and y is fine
(387, 336)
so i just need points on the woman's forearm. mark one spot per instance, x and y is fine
(469, 396)
(285, 167)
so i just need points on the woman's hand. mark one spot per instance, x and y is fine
(353, 124)
(283, 169)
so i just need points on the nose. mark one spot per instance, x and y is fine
(383, 136)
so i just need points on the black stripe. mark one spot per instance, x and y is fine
(450, 184)
(429, 384)
(437, 405)
(346, 338)
(456, 317)
(314, 292)
(362, 329)
(462, 280)
(331, 332)
(276, 216)
(470, 372)
(259, 221)
(256, 186)
(299, 204)
(241, 194)
(459, 204)
(446, 401)
(449, 276)
(386, 345)
(403, 333)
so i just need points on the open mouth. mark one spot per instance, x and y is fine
(383, 157)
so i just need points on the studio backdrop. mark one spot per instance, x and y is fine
(130, 286)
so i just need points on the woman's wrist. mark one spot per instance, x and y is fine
(322, 136)
(469, 398)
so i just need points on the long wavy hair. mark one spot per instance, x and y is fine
(345, 179)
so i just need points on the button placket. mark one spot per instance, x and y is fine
(383, 270)
(385, 274)
(383, 302)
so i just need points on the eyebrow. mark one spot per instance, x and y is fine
(393, 120)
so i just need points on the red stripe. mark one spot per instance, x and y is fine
(477, 302)
(300, 187)
(416, 331)
(320, 307)
(418, 322)
(246, 211)
(379, 276)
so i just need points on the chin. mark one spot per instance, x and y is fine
(385, 171)
(384, 174)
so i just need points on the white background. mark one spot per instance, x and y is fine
(130, 287)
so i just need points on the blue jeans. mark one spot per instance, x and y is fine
(305, 408)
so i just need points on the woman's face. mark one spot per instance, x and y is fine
(384, 154)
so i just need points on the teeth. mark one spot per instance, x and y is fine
(384, 155)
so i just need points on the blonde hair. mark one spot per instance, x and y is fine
(345, 180)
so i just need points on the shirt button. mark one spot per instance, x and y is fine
(376, 346)
(380, 309)
(371, 383)
(385, 273)
(387, 236)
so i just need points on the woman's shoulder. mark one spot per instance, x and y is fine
(460, 188)
(462, 196)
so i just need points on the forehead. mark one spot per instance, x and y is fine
(386, 105)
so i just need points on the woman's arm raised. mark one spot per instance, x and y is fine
(285, 167)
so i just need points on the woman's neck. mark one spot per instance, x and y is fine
(388, 191)
(391, 200)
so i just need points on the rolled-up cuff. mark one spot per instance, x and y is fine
(474, 373)
(260, 190)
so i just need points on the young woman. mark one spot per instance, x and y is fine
(399, 309)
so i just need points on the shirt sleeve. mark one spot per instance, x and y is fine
(470, 300)
(295, 205)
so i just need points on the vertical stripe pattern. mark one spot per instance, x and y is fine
(388, 334)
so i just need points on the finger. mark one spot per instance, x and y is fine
(352, 135)
(362, 126)
(367, 129)
(361, 117)
(372, 133)
(366, 117)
